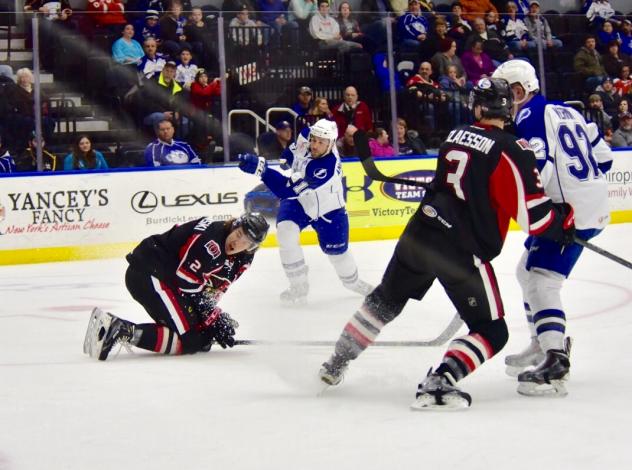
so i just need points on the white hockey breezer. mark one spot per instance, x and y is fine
(437, 392)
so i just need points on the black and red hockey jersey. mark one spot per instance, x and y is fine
(485, 177)
(191, 258)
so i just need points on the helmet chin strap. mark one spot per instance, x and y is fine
(517, 105)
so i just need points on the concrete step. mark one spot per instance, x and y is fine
(15, 55)
(83, 125)
(16, 44)
(76, 98)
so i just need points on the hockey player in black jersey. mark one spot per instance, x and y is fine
(484, 178)
(179, 277)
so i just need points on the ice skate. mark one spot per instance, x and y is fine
(436, 392)
(359, 287)
(296, 294)
(104, 332)
(532, 355)
(549, 377)
(332, 371)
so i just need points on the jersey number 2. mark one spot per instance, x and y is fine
(458, 162)
(583, 161)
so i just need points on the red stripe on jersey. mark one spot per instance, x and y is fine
(543, 228)
(187, 246)
(357, 335)
(503, 192)
(489, 351)
(461, 356)
(495, 290)
(184, 251)
(176, 306)
(160, 337)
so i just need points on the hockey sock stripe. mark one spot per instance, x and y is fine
(369, 317)
(359, 325)
(491, 291)
(363, 340)
(161, 344)
(169, 342)
(463, 358)
(350, 279)
(550, 320)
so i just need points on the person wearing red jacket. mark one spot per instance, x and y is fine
(352, 112)
(106, 14)
(205, 127)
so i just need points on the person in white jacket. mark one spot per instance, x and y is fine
(326, 30)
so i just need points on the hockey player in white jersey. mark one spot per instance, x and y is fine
(312, 195)
(572, 158)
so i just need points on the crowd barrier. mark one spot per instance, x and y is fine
(89, 215)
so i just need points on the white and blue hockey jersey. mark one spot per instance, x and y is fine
(572, 158)
(315, 182)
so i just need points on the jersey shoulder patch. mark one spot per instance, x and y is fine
(523, 144)
(213, 249)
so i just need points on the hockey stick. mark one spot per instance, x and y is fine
(603, 252)
(445, 335)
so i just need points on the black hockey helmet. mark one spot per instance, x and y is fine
(494, 96)
(254, 225)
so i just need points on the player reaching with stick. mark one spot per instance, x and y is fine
(179, 277)
(572, 158)
(484, 178)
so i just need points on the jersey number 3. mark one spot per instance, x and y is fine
(582, 160)
(457, 160)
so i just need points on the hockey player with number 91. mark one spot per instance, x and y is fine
(311, 195)
(572, 158)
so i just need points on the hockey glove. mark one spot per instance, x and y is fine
(568, 223)
(220, 327)
(251, 163)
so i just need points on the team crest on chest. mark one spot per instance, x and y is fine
(213, 249)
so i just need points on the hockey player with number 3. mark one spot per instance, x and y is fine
(572, 158)
(484, 178)
(311, 195)
(179, 278)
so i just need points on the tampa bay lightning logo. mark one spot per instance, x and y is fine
(522, 115)
(484, 84)
(321, 173)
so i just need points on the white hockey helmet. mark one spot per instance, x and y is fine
(518, 71)
(325, 129)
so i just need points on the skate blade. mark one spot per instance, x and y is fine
(556, 388)
(91, 344)
(450, 403)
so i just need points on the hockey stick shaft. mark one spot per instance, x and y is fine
(603, 252)
(445, 335)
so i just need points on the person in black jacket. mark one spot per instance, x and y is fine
(484, 178)
(179, 278)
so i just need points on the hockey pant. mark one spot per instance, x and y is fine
(175, 330)
(422, 255)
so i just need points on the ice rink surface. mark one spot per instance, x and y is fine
(257, 408)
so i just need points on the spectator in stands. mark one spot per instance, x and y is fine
(304, 101)
(427, 92)
(438, 33)
(172, 30)
(350, 28)
(352, 111)
(319, 109)
(272, 144)
(21, 102)
(166, 151)
(622, 137)
(147, 27)
(57, 14)
(623, 84)
(459, 28)
(196, 31)
(455, 88)
(597, 113)
(160, 99)
(532, 20)
(59, 11)
(493, 45)
(447, 57)
(159, 6)
(126, 50)
(346, 144)
(493, 23)
(380, 145)
(107, 15)
(243, 29)
(84, 157)
(325, 29)
(614, 59)
(7, 162)
(515, 32)
(412, 28)
(203, 92)
(607, 35)
(588, 64)
(409, 141)
(301, 10)
(477, 64)
(626, 37)
(152, 63)
(609, 96)
(274, 14)
(476, 8)
(598, 12)
(27, 160)
(186, 69)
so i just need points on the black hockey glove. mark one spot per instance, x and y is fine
(568, 223)
(219, 327)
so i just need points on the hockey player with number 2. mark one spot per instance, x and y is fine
(572, 158)
(484, 178)
(311, 195)
(179, 278)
